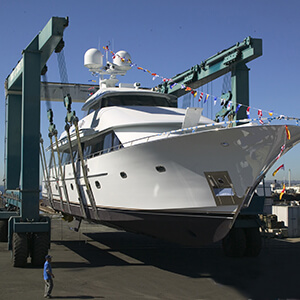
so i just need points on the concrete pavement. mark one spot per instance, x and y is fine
(102, 263)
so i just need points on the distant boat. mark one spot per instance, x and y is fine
(291, 192)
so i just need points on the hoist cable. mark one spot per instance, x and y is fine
(62, 67)
(226, 87)
(47, 94)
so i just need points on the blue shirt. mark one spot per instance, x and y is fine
(47, 267)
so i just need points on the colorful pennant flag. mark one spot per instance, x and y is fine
(215, 100)
(229, 105)
(282, 192)
(201, 96)
(259, 112)
(271, 113)
(237, 108)
(288, 134)
(280, 167)
(194, 93)
(248, 112)
(281, 150)
(206, 98)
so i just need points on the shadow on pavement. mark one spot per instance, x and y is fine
(272, 275)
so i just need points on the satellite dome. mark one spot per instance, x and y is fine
(93, 59)
(122, 59)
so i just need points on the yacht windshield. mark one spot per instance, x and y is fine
(134, 100)
(137, 100)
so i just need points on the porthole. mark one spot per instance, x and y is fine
(225, 144)
(123, 175)
(160, 169)
(72, 188)
(220, 180)
(97, 184)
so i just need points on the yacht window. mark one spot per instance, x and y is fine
(75, 156)
(50, 161)
(65, 157)
(107, 142)
(87, 150)
(94, 108)
(116, 143)
(138, 100)
(97, 147)
(101, 144)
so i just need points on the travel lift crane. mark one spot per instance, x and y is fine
(28, 232)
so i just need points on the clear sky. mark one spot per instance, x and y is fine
(166, 37)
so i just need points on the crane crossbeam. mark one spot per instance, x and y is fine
(213, 67)
(55, 91)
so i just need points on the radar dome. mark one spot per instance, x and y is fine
(93, 59)
(122, 59)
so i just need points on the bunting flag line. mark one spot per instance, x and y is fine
(282, 192)
(193, 91)
(288, 134)
(280, 167)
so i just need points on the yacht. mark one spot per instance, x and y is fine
(138, 162)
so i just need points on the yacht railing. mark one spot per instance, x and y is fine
(172, 133)
(261, 121)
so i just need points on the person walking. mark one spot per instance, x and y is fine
(48, 277)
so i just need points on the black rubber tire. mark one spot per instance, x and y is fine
(234, 244)
(253, 242)
(3, 230)
(40, 246)
(19, 249)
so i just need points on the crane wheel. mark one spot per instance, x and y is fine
(253, 242)
(3, 230)
(40, 246)
(19, 249)
(234, 244)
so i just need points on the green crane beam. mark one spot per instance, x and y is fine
(45, 43)
(232, 60)
(23, 118)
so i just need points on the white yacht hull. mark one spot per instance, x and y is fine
(187, 188)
